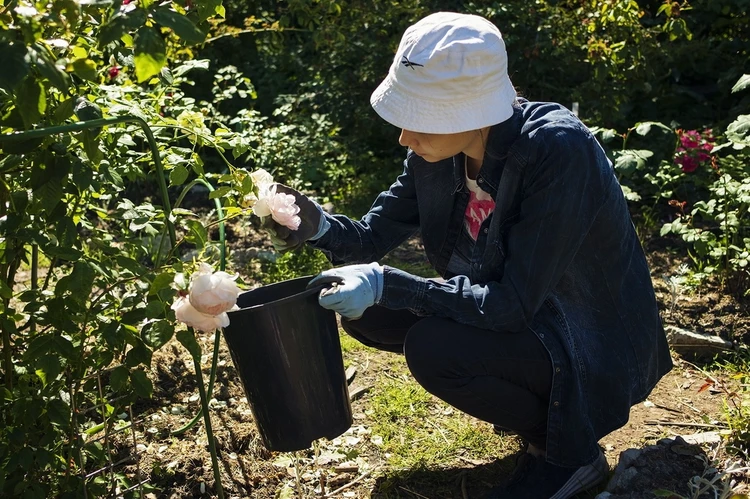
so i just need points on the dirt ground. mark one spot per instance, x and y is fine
(354, 465)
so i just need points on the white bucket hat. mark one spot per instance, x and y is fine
(449, 75)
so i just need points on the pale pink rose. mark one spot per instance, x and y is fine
(282, 207)
(213, 293)
(261, 179)
(186, 313)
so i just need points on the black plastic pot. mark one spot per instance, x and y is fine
(287, 352)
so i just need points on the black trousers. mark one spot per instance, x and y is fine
(502, 378)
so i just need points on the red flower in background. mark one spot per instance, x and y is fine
(113, 72)
(694, 149)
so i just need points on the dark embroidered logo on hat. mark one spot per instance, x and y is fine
(406, 62)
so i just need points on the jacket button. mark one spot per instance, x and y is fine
(556, 403)
(480, 180)
(557, 369)
(541, 335)
(486, 230)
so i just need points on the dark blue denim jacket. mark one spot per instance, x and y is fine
(559, 256)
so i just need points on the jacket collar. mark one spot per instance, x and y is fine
(500, 139)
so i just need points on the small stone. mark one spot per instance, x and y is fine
(648, 404)
(141, 448)
(706, 437)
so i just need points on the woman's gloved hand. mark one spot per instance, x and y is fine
(312, 223)
(362, 288)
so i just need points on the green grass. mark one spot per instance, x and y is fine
(421, 431)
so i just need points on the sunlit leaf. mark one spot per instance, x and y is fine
(157, 333)
(182, 26)
(178, 175)
(209, 8)
(85, 69)
(120, 24)
(741, 84)
(150, 53)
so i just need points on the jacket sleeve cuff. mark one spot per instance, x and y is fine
(402, 290)
(323, 225)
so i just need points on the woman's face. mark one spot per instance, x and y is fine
(433, 147)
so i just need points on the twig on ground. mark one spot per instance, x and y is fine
(442, 433)
(412, 492)
(347, 485)
(685, 423)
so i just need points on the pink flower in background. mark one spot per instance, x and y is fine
(694, 149)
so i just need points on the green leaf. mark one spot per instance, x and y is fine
(178, 175)
(45, 63)
(48, 368)
(119, 378)
(48, 195)
(156, 334)
(139, 354)
(58, 412)
(86, 69)
(130, 264)
(79, 282)
(31, 101)
(64, 110)
(5, 290)
(739, 130)
(69, 254)
(741, 84)
(150, 53)
(160, 282)
(210, 8)
(197, 233)
(187, 338)
(143, 386)
(14, 63)
(220, 192)
(629, 160)
(120, 24)
(182, 26)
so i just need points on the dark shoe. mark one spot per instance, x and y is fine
(535, 478)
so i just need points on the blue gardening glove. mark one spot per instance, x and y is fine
(312, 226)
(362, 288)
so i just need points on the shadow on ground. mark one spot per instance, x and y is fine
(470, 482)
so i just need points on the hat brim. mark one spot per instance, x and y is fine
(417, 114)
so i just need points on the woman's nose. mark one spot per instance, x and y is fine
(407, 138)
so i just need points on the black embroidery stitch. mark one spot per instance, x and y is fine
(406, 62)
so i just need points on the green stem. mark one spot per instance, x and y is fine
(209, 430)
(34, 279)
(211, 380)
(222, 266)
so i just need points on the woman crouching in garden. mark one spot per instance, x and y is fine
(545, 322)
